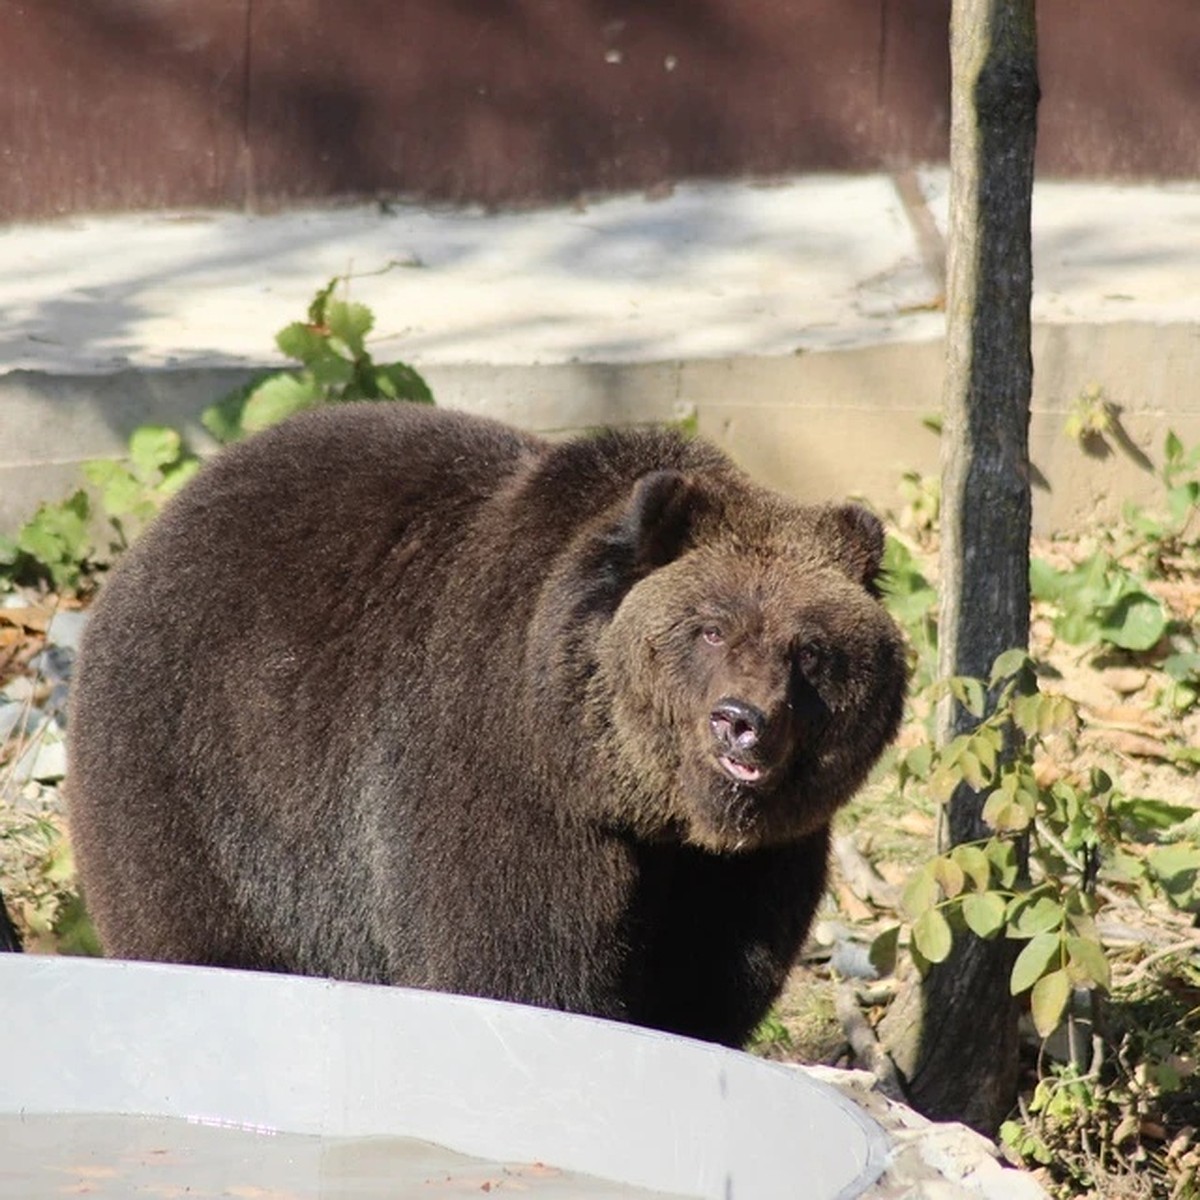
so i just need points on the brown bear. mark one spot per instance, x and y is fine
(403, 695)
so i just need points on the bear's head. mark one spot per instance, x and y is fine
(748, 676)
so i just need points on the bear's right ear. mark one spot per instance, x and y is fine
(657, 522)
(857, 537)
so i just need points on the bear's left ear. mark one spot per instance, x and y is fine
(657, 521)
(856, 537)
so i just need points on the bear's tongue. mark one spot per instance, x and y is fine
(740, 771)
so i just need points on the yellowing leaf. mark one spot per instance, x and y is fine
(974, 864)
(1088, 965)
(1004, 814)
(1048, 1001)
(949, 874)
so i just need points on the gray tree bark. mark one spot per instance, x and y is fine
(9, 938)
(956, 1041)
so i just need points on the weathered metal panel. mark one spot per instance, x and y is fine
(505, 103)
(127, 104)
(120, 104)
(1120, 88)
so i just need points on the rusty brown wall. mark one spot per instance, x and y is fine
(129, 104)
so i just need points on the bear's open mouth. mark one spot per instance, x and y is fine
(742, 772)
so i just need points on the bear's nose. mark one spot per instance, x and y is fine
(736, 724)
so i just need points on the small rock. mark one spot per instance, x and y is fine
(66, 628)
(53, 664)
(45, 760)
(1125, 680)
(18, 719)
(20, 690)
(930, 1160)
(853, 960)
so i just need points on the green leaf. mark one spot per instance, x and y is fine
(922, 964)
(1002, 854)
(1046, 582)
(1042, 715)
(1004, 814)
(920, 893)
(1123, 867)
(175, 477)
(1088, 964)
(1175, 859)
(351, 323)
(1056, 712)
(917, 762)
(1182, 500)
(949, 875)
(320, 302)
(152, 447)
(884, 949)
(943, 782)
(1136, 622)
(984, 913)
(302, 342)
(57, 537)
(972, 770)
(399, 381)
(1188, 755)
(1080, 628)
(123, 494)
(1032, 963)
(931, 933)
(974, 863)
(1033, 913)
(969, 693)
(1184, 667)
(954, 749)
(1177, 869)
(1048, 1001)
(333, 371)
(1145, 817)
(1172, 447)
(277, 398)
(1008, 665)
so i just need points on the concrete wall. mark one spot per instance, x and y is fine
(816, 425)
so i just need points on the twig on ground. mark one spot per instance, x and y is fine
(1142, 969)
(865, 1045)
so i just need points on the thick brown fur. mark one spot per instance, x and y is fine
(400, 695)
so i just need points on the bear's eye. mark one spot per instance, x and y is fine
(808, 658)
(713, 635)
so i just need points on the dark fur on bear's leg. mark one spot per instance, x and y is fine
(399, 695)
(718, 945)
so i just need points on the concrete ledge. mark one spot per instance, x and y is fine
(817, 425)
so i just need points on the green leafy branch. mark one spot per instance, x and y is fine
(1034, 879)
(59, 544)
(335, 368)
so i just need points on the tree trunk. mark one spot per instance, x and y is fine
(9, 938)
(958, 1050)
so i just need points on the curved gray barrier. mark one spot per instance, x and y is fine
(483, 1078)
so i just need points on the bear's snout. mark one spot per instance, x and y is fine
(737, 725)
(739, 729)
